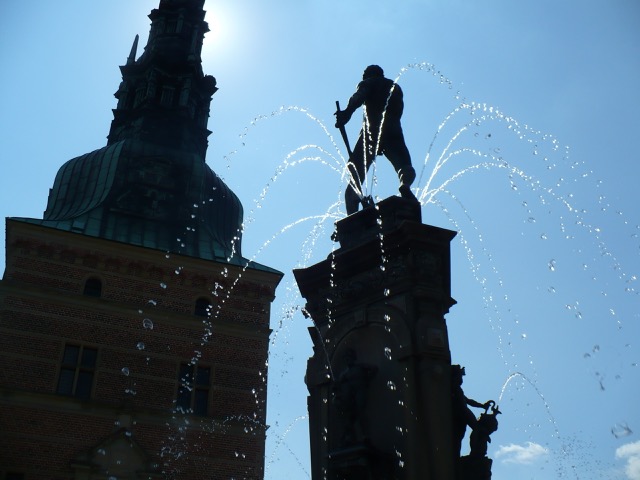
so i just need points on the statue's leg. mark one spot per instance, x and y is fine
(395, 149)
(356, 168)
(351, 200)
(398, 155)
(406, 175)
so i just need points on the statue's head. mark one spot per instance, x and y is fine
(457, 372)
(372, 71)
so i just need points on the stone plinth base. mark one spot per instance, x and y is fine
(474, 468)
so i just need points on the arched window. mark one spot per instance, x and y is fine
(203, 307)
(93, 287)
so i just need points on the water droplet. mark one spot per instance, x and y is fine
(147, 323)
(552, 265)
(391, 385)
(523, 336)
(621, 430)
(552, 289)
(125, 371)
(387, 353)
(163, 285)
(543, 236)
(386, 292)
(140, 345)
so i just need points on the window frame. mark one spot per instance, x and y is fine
(194, 384)
(93, 287)
(203, 307)
(79, 367)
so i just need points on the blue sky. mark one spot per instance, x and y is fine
(537, 102)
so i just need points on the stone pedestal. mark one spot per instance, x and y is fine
(474, 468)
(379, 378)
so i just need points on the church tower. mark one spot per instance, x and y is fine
(134, 334)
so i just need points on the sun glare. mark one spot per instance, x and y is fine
(221, 24)
(232, 34)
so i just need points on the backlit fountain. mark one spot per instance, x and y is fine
(534, 270)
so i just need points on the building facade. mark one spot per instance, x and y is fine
(134, 334)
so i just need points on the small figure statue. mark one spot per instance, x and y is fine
(350, 396)
(485, 426)
(381, 134)
(461, 414)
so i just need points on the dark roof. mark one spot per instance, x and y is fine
(137, 193)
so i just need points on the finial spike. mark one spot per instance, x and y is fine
(134, 50)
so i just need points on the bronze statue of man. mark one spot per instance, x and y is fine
(381, 134)
(460, 412)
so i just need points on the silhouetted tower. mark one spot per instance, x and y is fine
(133, 333)
(379, 378)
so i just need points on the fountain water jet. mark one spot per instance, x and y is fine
(477, 245)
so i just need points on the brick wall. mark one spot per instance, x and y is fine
(42, 309)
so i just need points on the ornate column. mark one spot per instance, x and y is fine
(379, 378)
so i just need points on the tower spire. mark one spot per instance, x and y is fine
(164, 96)
(134, 49)
(144, 186)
